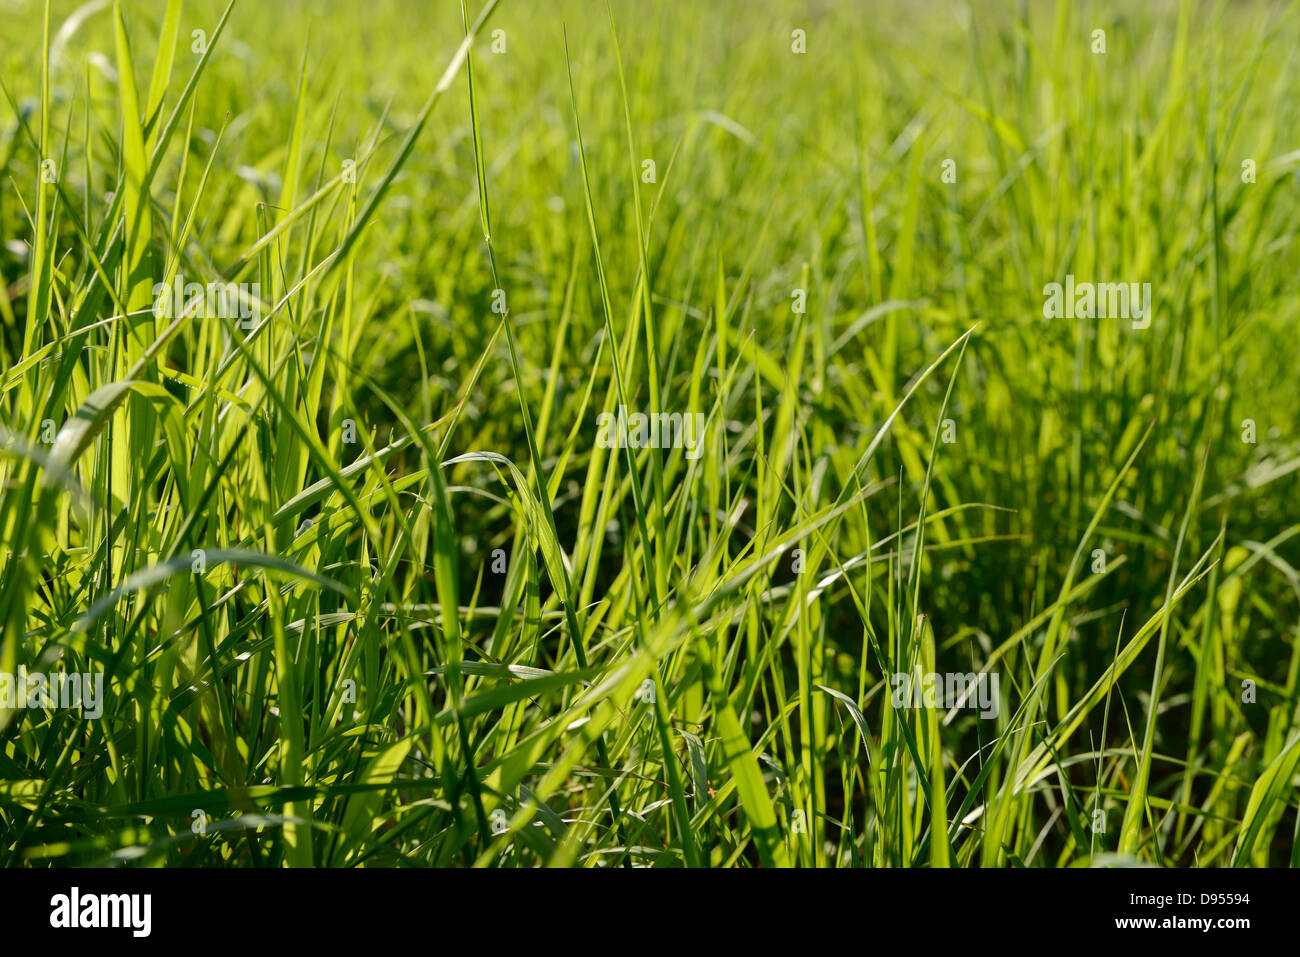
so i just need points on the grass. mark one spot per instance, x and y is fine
(367, 590)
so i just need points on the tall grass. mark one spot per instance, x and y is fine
(367, 589)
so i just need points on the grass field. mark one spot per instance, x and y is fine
(366, 581)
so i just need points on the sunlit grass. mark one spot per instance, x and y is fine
(368, 589)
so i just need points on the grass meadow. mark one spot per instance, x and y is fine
(357, 523)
